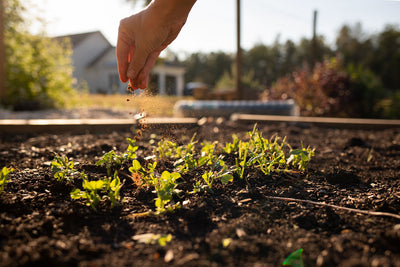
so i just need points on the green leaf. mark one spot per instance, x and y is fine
(295, 259)
(226, 178)
(135, 166)
(175, 175)
(166, 175)
(77, 193)
(94, 185)
(163, 240)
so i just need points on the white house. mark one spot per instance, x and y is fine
(95, 63)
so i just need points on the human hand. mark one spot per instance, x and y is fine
(141, 39)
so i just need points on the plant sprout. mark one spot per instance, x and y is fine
(110, 159)
(164, 186)
(109, 187)
(4, 177)
(295, 259)
(63, 168)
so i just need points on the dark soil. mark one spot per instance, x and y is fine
(41, 226)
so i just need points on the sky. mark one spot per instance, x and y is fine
(211, 25)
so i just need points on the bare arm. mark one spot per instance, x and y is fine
(143, 36)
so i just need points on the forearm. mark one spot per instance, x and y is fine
(173, 10)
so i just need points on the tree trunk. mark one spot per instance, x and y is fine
(238, 83)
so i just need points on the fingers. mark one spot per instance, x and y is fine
(122, 58)
(123, 52)
(143, 77)
(136, 64)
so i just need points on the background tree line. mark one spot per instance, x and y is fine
(358, 76)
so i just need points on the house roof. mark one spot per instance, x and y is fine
(78, 38)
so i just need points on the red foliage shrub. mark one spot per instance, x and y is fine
(326, 90)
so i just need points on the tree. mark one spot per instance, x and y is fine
(38, 68)
(207, 68)
(386, 60)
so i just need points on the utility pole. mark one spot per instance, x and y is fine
(238, 80)
(2, 52)
(314, 39)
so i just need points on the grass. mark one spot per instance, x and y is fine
(156, 106)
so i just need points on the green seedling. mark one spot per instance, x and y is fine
(90, 192)
(208, 155)
(241, 160)
(109, 188)
(232, 148)
(186, 163)
(110, 160)
(4, 177)
(130, 152)
(63, 168)
(147, 176)
(219, 171)
(295, 259)
(189, 162)
(113, 187)
(171, 150)
(300, 158)
(165, 188)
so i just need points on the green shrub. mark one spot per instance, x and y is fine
(38, 68)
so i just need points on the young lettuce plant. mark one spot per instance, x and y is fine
(186, 163)
(219, 170)
(146, 176)
(89, 192)
(4, 177)
(113, 187)
(109, 188)
(130, 152)
(110, 160)
(63, 168)
(164, 186)
(300, 158)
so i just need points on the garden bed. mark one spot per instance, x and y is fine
(237, 224)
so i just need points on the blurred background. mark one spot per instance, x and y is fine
(334, 58)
